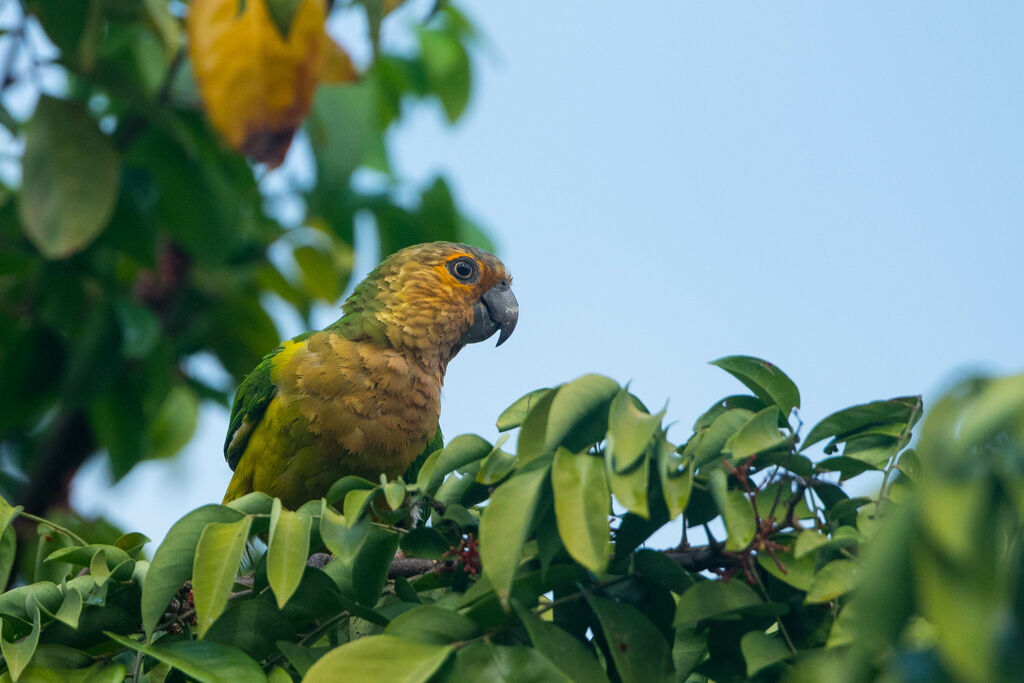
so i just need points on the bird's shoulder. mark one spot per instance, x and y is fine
(254, 394)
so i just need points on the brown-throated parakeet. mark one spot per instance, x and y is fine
(362, 396)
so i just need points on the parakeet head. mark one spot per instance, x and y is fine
(437, 296)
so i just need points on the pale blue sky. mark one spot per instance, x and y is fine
(835, 187)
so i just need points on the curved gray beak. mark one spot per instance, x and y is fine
(496, 310)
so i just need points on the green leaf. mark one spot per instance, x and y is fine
(447, 68)
(202, 661)
(459, 452)
(581, 507)
(342, 129)
(425, 542)
(707, 445)
(302, 658)
(505, 525)
(140, 328)
(341, 488)
(17, 655)
(714, 600)
(370, 568)
(379, 658)
(514, 415)
(175, 422)
(560, 648)
(689, 647)
(533, 431)
(797, 571)
(749, 403)
(768, 382)
(761, 651)
(132, 543)
(70, 178)
(638, 649)
(656, 568)
(253, 626)
(8, 512)
(497, 465)
(676, 484)
(286, 551)
(98, 567)
(322, 274)
(630, 431)
(761, 433)
(253, 503)
(736, 511)
(836, 578)
(340, 538)
(217, 558)
(630, 489)
(808, 542)
(362, 577)
(394, 494)
(845, 422)
(173, 560)
(579, 413)
(432, 625)
(356, 502)
(8, 548)
(485, 661)
(70, 609)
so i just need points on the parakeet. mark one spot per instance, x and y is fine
(362, 396)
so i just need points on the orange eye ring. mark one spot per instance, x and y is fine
(464, 269)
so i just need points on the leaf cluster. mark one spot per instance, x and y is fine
(535, 565)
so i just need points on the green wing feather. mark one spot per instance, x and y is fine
(251, 401)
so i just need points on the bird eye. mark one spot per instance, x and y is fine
(464, 269)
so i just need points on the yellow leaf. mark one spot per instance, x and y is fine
(257, 85)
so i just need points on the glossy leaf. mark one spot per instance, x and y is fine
(486, 661)
(768, 382)
(505, 525)
(630, 431)
(676, 485)
(714, 600)
(217, 558)
(202, 661)
(71, 174)
(18, 654)
(497, 465)
(849, 420)
(637, 648)
(514, 415)
(579, 413)
(736, 511)
(581, 507)
(561, 649)
(630, 489)
(380, 658)
(706, 445)
(761, 651)
(173, 561)
(287, 549)
(424, 542)
(342, 129)
(761, 433)
(836, 578)
(8, 548)
(432, 625)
